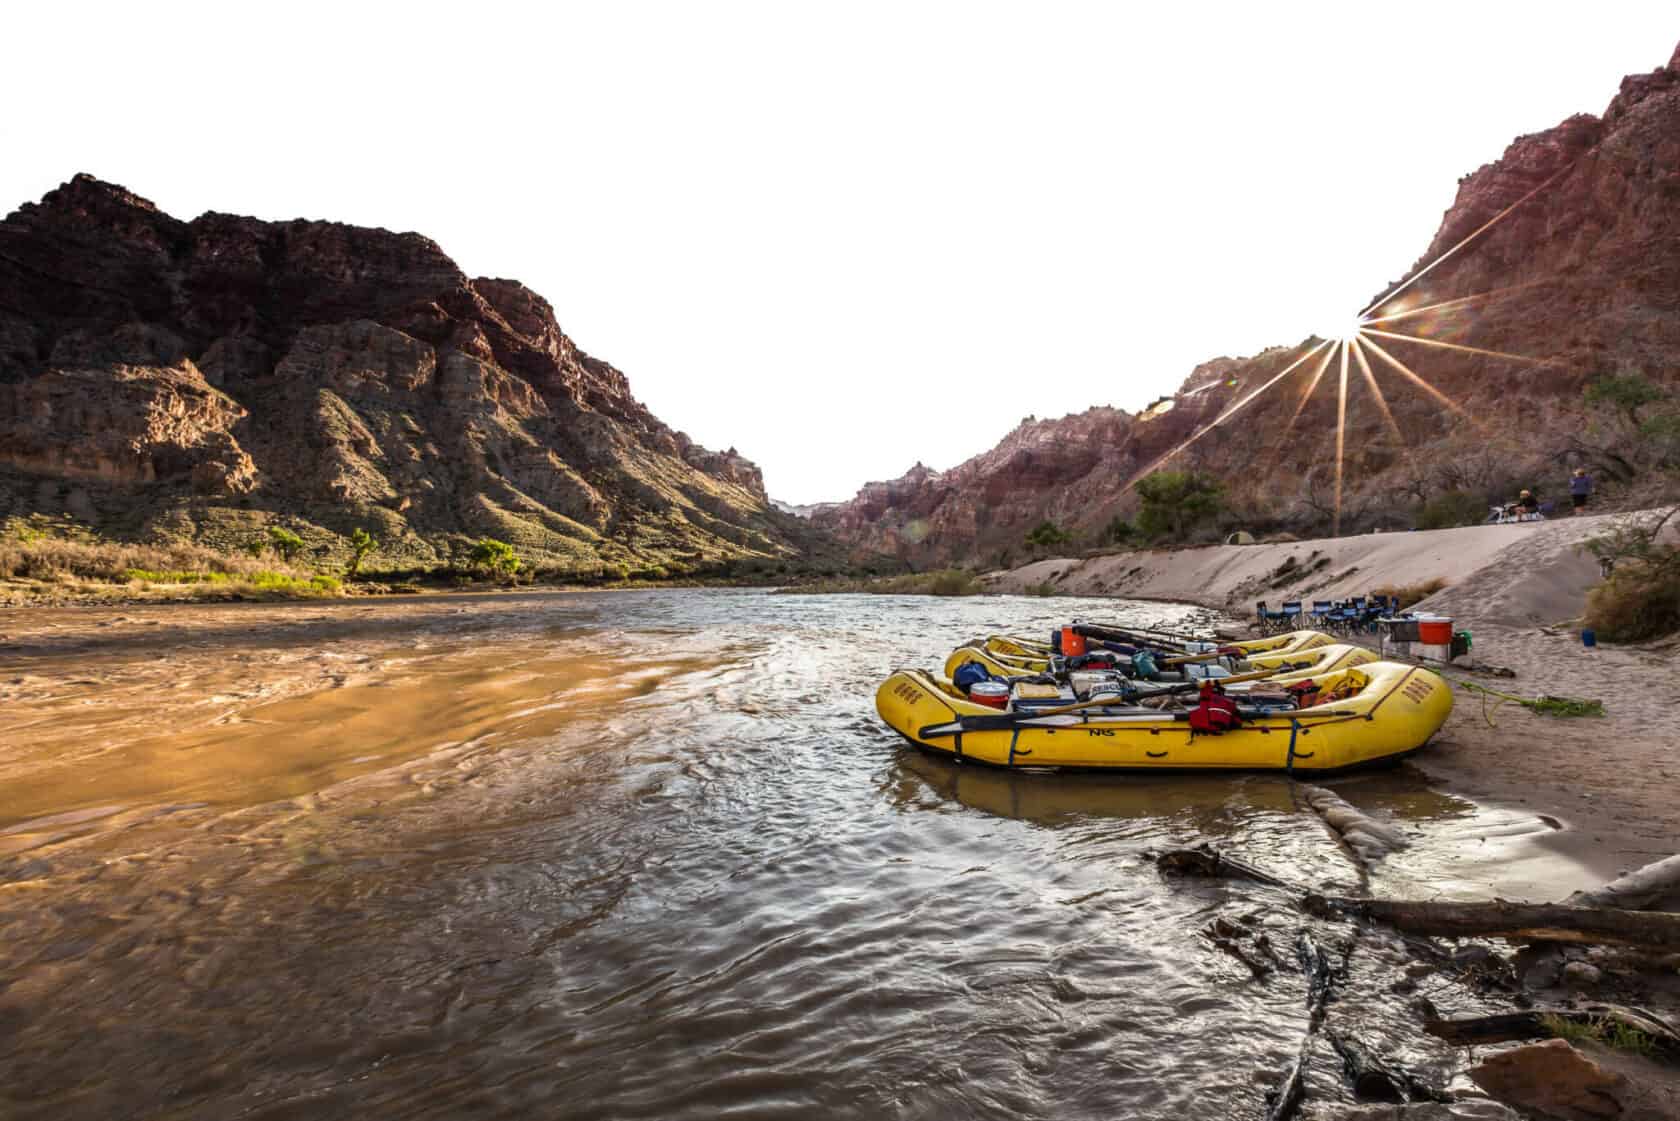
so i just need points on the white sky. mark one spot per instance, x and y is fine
(840, 237)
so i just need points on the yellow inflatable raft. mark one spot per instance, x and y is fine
(1384, 710)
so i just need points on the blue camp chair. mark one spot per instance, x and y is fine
(1291, 614)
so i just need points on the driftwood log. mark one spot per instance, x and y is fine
(1225, 936)
(1533, 1024)
(1636, 890)
(1531, 922)
(1206, 861)
(1285, 1098)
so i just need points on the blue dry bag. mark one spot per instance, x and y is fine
(970, 674)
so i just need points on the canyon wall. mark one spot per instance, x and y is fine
(1582, 274)
(205, 379)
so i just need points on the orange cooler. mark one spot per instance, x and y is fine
(1073, 643)
(1433, 630)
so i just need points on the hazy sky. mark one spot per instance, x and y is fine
(841, 237)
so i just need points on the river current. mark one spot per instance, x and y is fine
(642, 855)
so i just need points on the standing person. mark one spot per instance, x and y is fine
(1580, 487)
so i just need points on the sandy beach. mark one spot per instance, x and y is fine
(1612, 782)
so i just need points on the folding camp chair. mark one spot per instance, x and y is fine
(1291, 614)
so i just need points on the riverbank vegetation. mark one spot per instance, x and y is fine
(941, 582)
(58, 560)
(1409, 594)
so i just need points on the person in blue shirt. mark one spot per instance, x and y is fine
(1580, 487)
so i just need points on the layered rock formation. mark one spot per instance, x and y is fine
(1582, 273)
(205, 378)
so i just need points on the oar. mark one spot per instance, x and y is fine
(1183, 686)
(1164, 691)
(1125, 634)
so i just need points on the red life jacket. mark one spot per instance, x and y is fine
(1214, 713)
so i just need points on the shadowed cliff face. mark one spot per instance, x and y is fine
(1584, 275)
(169, 378)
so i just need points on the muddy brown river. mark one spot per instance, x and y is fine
(641, 854)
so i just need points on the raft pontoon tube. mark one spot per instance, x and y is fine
(1385, 710)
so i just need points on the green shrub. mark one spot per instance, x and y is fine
(496, 558)
(1627, 393)
(953, 582)
(1118, 531)
(1451, 508)
(1640, 600)
(284, 542)
(1047, 535)
(1176, 502)
(361, 544)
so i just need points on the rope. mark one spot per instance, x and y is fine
(1546, 705)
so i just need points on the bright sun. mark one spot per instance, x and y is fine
(1341, 328)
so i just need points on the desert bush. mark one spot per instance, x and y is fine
(1176, 502)
(262, 582)
(496, 558)
(60, 559)
(1047, 535)
(1636, 429)
(284, 542)
(1118, 531)
(361, 544)
(953, 582)
(1451, 508)
(1409, 594)
(1640, 598)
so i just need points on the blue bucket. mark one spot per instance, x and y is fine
(1589, 639)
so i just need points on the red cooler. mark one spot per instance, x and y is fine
(1433, 630)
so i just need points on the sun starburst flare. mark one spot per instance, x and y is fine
(1351, 339)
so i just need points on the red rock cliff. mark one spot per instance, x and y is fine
(1585, 275)
(204, 377)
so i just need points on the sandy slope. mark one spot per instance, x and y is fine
(1615, 782)
(1512, 574)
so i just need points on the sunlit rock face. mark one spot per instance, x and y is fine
(1580, 269)
(198, 377)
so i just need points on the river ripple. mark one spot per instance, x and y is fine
(643, 854)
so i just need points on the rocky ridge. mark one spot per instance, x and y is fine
(162, 378)
(1584, 275)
